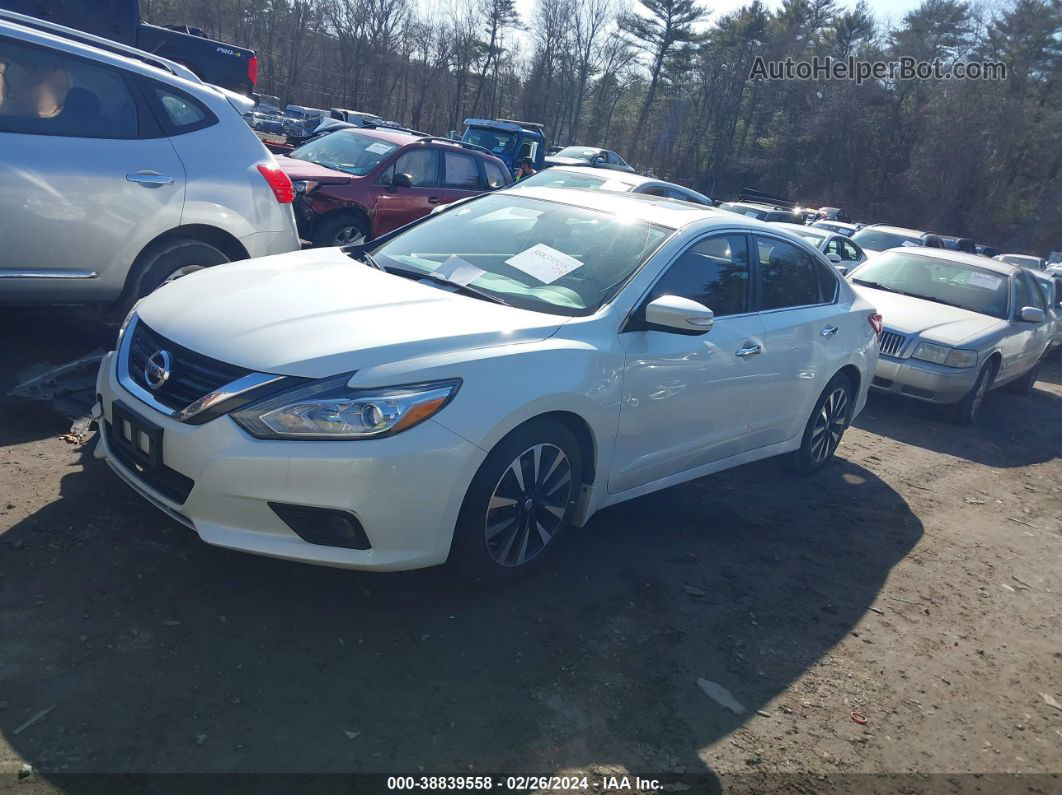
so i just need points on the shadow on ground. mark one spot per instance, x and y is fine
(160, 653)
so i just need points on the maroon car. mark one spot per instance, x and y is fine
(354, 185)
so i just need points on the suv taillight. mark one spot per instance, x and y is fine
(252, 69)
(278, 181)
(875, 323)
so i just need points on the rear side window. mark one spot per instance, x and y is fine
(713, 272)
(183, 114)
(495, 175)
(461, 171)
(788, 275)
(46, 93)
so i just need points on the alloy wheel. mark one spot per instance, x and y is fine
(829, 425)
(527, 505)
(349, 236)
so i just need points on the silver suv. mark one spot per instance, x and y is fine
(120, 171)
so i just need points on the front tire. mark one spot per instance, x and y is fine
(826, 426)
(518, 504)
(966, 410)
(340, 230)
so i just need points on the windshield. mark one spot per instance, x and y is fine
(741, 210)
(555, 178)
(1022, 260)
(976, 289)
(345, 150)
(811, 235)
(876, 240)
(531, 253)
(497, 142)
(586, 153)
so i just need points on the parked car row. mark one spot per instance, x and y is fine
(459, 386)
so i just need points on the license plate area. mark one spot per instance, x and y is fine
(139, 438)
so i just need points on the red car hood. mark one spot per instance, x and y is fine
(305, 170)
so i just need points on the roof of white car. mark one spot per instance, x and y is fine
(800, 229)
(961, 257)
(896, 230)
(607, 174)
(639, 206)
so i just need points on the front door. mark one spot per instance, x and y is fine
(686, 398)
(397, 206)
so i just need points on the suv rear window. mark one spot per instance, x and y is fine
(45, 93)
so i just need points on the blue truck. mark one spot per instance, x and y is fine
(509, 141)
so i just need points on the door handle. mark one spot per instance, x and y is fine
(748, 350)
(149, 178)
(433, 200)
(828, 331)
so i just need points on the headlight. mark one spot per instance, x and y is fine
(941, 354)
(329, 409)
(126, 322)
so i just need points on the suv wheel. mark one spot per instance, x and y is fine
(826, 426)
(520, 501)
(164, 263)
(340, 230)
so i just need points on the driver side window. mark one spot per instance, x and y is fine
(421, 164)
(713, 272)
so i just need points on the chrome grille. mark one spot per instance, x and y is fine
(891, 343)
(192, 375)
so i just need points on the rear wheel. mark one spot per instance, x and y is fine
(163, 263)
(966, 410)
(519, 503)
(340, 230)
(826, 426)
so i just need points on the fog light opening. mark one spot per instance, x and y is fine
(326, 527)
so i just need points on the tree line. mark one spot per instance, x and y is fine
(668, 86)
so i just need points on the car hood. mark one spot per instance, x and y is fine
(305, 170)
(553, 160)
(931, 321)
(318, 313)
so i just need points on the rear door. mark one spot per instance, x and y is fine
(397, 206)
(86, 177)
(461, 176)
(807, 335)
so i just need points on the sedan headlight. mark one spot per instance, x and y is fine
(941, 354)
(329, 409)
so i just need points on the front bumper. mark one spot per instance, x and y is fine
(925, 381)
(406, 490)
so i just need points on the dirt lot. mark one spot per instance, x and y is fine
(917, 582)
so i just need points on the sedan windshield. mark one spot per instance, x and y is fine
(556, 178)
(530, 253)
(813, 236)
(945, 282)
(586, 153)
(876, 240)
(740, 209)
(345, 150)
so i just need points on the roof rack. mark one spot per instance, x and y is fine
(455, 142)
(759, 197)
(99, 43)
(383, 124)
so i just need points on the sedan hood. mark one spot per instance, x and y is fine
(305, 170)
(317, 313)
(553, 160)
(931, 321)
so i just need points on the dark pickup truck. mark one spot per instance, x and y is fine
(224, 65)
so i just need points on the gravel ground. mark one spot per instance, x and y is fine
(897, 613)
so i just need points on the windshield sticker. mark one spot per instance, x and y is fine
(544, 263)
(379, 149)
(457, 270)
(984, 280)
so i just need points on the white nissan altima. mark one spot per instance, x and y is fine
(467, 387)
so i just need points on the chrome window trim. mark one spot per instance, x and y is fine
(211, 400)
(41, 273)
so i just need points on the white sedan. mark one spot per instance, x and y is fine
(839, 249)
(467, 387)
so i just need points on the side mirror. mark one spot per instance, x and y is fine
(402, 180)
(680, 314)
(1031, 314)
(834, 258)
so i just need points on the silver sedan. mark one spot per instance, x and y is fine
(839, 249)
(956, 325)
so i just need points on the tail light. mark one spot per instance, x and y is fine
(278, 181)
(252, 69)
(875, 323)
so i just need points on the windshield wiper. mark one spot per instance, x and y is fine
(879, 286)
(461, 288)
(366, 258)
